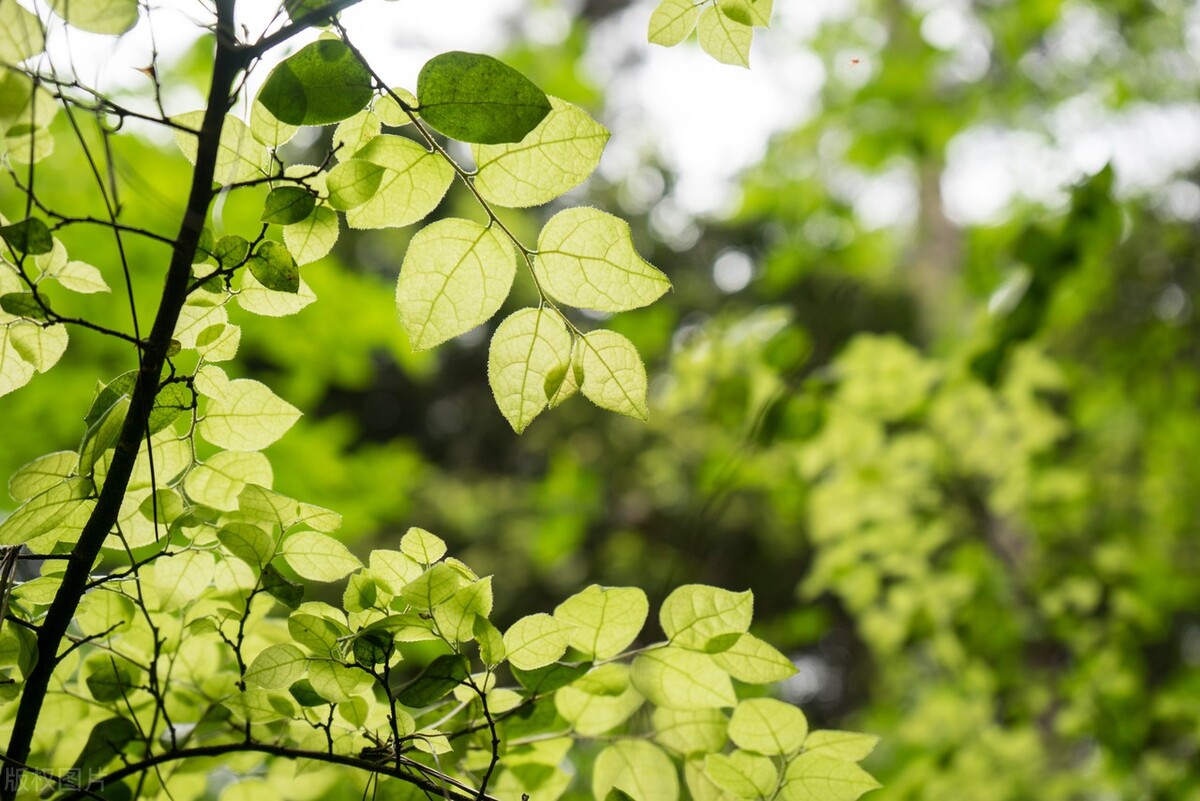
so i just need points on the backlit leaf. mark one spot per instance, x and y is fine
(681, 679)
(323, 82)
(278, 666)
(41, 474)
(21, 33)
(527, 348)
(274, 268)
(694, 615)
(751, 660)
(244, 415)
(768, 726)
(744, 774)
(111, 17)
(816, 777)
(413, 183)
(614, 377)
(287, 204)
(691, 731)
(672, 22)
(641, 770)
(600, 701)
(313, 237)
(422, 546)
(475, 98)
(536, 640)
(756, 13)
(723, 38)
(847, 746)
(318, 557)
(606, 621)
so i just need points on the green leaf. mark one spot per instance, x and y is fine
(847, 746)
(336, 681)
(218, 481)
(586, 259)
(288, 593)
(600, 701)
(723, 38)
(103, 435)
(432, 588)
(244, 415)
(491, 641)
(271, 507)
(475, 98)
(606, 621)
(371, 647)
(79, 276)
(393, 570)
(555, 157)
(695, 615)
(318, 557)
(414, 182)
(278, 666)
(316, 631)
(744, 774)
(422, 546)
(455, 275)
(260, 706)
(181, 579)
(105, 743)
(547, 679)
(112, 17)
(691, 731)
(257, 299)
(440, 677)
(25, 304)
(240, 157)
(756, 13)
(247, 542)
(681, 679)
(21, 33)
(231, 251)
(305, 695)
(614, 377)
(286, 205)
(527, 349)
(42, 473)
(109, 680)
(40, 346)
(751, 660)
(312, 238)
(536, 640)
(641, 770)
(352, 183)
(816, 777)
(672, 22)
(322, 83)
(768, 726)
(456, 617)
(274, 268)
(354, 133)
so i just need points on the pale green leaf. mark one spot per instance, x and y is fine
(257, 299)
(318, 556)
(261, 706)
(606, 621)
(536, 640)
(756, 13)
(218, 481)
(392, 113)
(41, 474)
(455, 275)
(21, 33)
(527, 349)
(353, 133)
(743, 774)
(79, 276)
(267, 129)
(245, 415)
(277, 667)
(491, 642)
(816, 777)
(725, 39)
(393, 569)
(456, 617)
(49, 516)
(103, 434)
(700, 787)
(247, 542)
(672, 22)
(847, 746)
(432, 588)
(414, 182)
(182, 578)
(641, 770)
(352, 183)
(112, 17)
(15, 372)
(599, 701)
(240, 157)
(562, 389)
(556, 156)
(586, 259)
(316, 628)
(754, 661)
(681, 679)
(614, 376)
(695, 615)
(422, 546)
(336, 682)
(768, 726)
(194, 320)
(691, 731)
(40, 346)
(312, 238)
(267, 505)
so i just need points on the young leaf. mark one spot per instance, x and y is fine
(536, 640)
(641, 770)
(413, 183)
(273, 267)
(79, 276)
(681, 679)
(312, 238)
(606, 621)
(586, 259)
(276, 667)
(455, 275)
(695, 615)
(41, 474)
(219, 480)
(491, 641)
(475, 98)
(287, 204)
(744, 774)
(816, 777)
(41, 346)
(21, 34)
(335, 681)
(724, 38)
(768, 726)
(691, 731)
(422, 546)
(112, 17)
(529, 347)
(352, 183)
(181, 579)
(244, 415)
(847, 746)
(318, 557)
(751, 660)
(44, 513)
(240, 157)
(322, 83)
(553, 158)
(600, 701)
(614, 377)
(672, 22)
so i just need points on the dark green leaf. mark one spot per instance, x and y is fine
(275, 268)
(305, 695)
(372, 648)
(443, 675)
(30, 236)
(230, 251)
(287, 205)
(204, 247)
(109, 681)
(288, 593)
(24, 304)
(107, 740)
(325, 82)
(173, 399)
(551, 677)
(475, 98)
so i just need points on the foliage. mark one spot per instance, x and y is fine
(165, 620)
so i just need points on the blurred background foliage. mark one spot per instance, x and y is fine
(953, 452)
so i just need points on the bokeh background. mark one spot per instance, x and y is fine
(927, 382)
